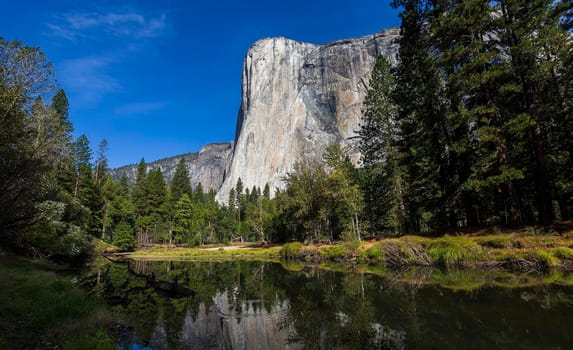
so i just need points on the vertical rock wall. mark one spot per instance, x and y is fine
(297, 98)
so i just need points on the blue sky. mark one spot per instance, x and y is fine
(159, 78)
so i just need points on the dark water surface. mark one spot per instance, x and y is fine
(261, 305)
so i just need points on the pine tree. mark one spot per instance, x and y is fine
(138, 200)
(267, 191)
(82, 160)
(183, 219)
(381, 174)
(421, 118)
(138, 191)
(155, 195)
(124, 237)
(101, 166)
(180, 183)
(61, 107)
(199, 195)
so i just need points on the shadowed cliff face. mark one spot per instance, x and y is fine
(208, 166)
(297, 98)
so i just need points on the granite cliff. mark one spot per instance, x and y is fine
(208, 166)
(297, 98)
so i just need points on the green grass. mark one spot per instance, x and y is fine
(515, 250)
(38, 306)
(562, 253)
(547, 259)
(290, 250)
(372, 254)
(456, 251)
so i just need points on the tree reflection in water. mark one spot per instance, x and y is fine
(262, 305)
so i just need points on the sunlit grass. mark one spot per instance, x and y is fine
(517, 251)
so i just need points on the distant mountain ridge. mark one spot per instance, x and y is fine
(208, 166)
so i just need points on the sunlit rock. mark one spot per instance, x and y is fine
(297, 98)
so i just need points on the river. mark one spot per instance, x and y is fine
(266, 305)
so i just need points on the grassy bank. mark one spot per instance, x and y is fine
(243, 251)
(42, 309)
(520, 251)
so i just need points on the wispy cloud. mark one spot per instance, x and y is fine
(103, 41)
(88, 78)
(72, 26)
(140, 108)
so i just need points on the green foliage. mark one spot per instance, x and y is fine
(40, 307)
(497, 241)
(562, 253)
(373, 254)
(350, 243)
(290, 250)
(123, 236)
(540, 231)
(100, 340)
(481, 119)
(455, 251)
(547, 259)
(320, 202)
(180, 184)
(183, 219)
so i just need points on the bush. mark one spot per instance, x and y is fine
(372, 254)
(562, 253)
(455, 251)
(350, 243)
(290, 250)
(540, 231)
(546, 259)
(497, 241)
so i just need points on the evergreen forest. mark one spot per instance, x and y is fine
(473, 127)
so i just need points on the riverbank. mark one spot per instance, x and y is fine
(42, 308)
(526, 250)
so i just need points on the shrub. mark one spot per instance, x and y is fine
(350, 243)
(540, 231)
(498, 241)
(332, 252)
(546, 259)
(562, 253)
(290, 250)
(373, 254)
(455, 251)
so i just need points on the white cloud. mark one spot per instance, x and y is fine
(140, 108)
(88, 79)
(128, 24)
(104, 40)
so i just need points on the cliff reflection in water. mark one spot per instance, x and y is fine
(259, 305)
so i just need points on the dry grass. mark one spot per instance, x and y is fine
(522, 250)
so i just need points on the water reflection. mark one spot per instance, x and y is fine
(259, 305)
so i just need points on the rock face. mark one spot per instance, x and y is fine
(297, 98)
(208, 166)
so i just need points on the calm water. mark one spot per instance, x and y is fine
(256, 305)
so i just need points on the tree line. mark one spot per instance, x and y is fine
(472, 127)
